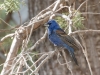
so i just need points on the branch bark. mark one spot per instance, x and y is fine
(21, 33)
(17, 41)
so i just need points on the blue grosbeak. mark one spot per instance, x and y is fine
(59, 38)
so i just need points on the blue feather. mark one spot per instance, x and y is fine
(59, 38)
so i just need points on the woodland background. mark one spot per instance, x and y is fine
(35, 55)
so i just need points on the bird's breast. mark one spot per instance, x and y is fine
(55, 39)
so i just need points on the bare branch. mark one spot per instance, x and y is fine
(86, 54)
(6, 23)
(68, 66)
(36, 44)
(84, 31)
(50, 54)
(80, 7)
(7, 36)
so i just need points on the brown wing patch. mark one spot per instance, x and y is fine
(60, 32)
(67, 39)
(72, 41)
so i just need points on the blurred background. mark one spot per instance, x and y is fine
(30, 8)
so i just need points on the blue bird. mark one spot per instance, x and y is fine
(59, 38)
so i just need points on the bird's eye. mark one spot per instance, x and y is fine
(49, 23)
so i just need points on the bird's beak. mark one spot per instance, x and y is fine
(46, 25)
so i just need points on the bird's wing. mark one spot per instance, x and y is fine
(66, 38)
(69, 41)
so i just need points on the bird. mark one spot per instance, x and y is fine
(59, 38)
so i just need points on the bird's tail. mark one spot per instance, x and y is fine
(73, 56)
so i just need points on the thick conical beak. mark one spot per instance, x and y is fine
(46, 24)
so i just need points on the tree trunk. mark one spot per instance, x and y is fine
(88, 63)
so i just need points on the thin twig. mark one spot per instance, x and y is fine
(79, 7)
(6, 23)
(68, 66)
(83, 31)
(40, 40)
(85, 54)
(7, 36)
(92, 13)
(20, 18)
(50, 54)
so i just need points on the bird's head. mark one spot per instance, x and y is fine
(52, 24)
